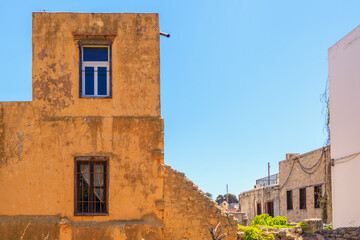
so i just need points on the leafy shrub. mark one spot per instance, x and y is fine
(254, 233)
(265, 220)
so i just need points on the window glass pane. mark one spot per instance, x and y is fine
(95, 54)
(102, 83)
(89, 80)
(99, 194)
(99, 180)
(85, 173)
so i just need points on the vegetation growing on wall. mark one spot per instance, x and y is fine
(326, 112)
(323, 204)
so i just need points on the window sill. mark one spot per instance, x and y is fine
(89, 96)
(90, 214)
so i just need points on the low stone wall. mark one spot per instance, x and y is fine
(312, 231)
(188, 212)
(341, 233)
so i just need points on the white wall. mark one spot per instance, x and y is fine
(344, 84)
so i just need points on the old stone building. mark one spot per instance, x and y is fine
(305, 185)
(264, 198)
(303, 189)
(84, 159)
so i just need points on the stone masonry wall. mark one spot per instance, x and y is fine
(341, 233)
(262, 196)
(188, 212)
(306, 171)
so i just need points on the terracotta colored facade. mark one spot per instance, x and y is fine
(39, 140)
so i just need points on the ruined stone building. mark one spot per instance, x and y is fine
(302, 190)
(264, 198)
(84, 159)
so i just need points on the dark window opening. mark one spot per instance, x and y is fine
(289, 200)
(91, 185)
(270, 208)
(95, 54)
(302, 201)
(258, 208)
(317, 196)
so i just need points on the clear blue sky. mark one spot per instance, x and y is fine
(240, 79)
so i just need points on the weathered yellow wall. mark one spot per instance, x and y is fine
(135, 64)
(189, 212)
(39, 140)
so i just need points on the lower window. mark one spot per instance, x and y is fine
(270, 208)
(258, 208)
(289, 200)
(302, 194)
(91, 185)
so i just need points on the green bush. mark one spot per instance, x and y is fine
(264, 220)
(254, 233)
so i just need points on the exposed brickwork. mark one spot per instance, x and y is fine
(188, 211)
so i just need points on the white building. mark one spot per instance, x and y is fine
(344, 86)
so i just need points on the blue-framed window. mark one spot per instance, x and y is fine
(95, 71)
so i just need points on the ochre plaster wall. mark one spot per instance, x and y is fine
(135, 64)
(189, 212)
(319, 175)
(39, 140)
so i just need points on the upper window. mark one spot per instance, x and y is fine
(91, 185)
(95, 71)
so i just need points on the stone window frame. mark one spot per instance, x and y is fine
(91, 160)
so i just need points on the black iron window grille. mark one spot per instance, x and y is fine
(91, 185)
